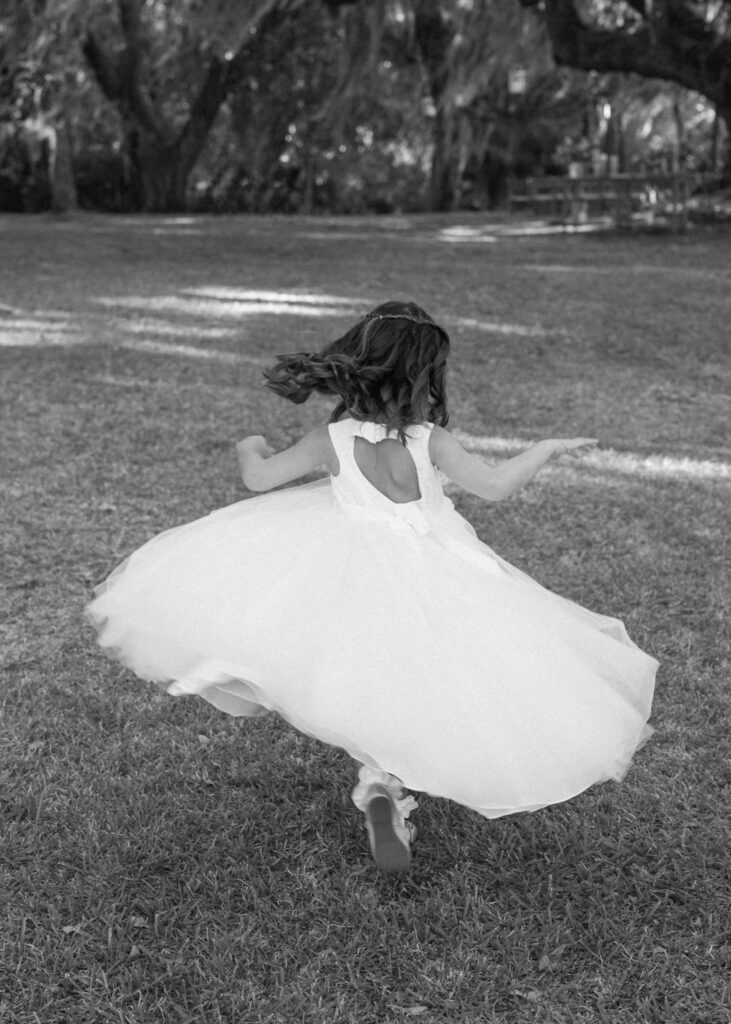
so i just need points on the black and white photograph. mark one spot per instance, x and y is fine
(365, 507)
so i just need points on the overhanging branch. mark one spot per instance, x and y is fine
(103, 66)
(675, 44)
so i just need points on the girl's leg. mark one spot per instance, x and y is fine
(381, 798)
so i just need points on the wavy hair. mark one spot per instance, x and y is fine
(390, 367)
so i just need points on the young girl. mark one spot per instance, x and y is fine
(364, 609)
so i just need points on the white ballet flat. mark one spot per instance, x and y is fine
(389, 835)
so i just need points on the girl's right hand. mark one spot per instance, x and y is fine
(573, 446)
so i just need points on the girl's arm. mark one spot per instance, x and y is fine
(261, 469)
(495, 483)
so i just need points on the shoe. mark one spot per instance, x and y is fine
(389, 835)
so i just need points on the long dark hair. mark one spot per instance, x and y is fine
(396, 348)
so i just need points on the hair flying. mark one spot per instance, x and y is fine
(390, 367)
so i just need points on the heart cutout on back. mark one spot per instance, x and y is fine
(389, 467)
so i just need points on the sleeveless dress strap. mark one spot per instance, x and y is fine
(375, 432)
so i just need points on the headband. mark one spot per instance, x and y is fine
(401, 316)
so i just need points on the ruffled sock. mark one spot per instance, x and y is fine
(369, 777)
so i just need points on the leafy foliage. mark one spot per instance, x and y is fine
(342, 105)
(36, 84)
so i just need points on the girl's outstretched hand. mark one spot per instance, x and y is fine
(573, 446)
(257, 444)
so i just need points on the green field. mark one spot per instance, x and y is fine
(163, 863)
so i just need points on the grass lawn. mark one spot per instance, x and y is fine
(161, 862)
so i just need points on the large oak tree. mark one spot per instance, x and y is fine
(683, 41)
(167, 73)
(168, 68)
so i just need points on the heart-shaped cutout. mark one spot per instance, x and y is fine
(389, 467)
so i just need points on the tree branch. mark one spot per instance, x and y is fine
(119, 79)
(138, 102)
(204, 109)
(433, 36)
(103, 67)
(676, 44)
(641, 7)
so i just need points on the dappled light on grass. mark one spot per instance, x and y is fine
(176, 231)
(239, 302)
(164, 329)
(229, 303)
(153, 225)
(469, 323)
(628, 268)
(488, 234)
(256, 296)
(658, 465)
(608, 460)
(177, 226)
(27, 332)
(462, 233)
(331, 236)
(164, 348)
(178, 313)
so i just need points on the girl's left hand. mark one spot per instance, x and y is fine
(257, 444)
(573, 446)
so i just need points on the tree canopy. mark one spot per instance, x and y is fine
(346, 104)
(682, 41)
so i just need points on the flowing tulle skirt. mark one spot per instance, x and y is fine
(421, 653)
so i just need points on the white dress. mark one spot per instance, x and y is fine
(389, 630)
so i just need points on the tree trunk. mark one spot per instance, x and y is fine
(61, 173)
(433, 35)
(444, 183)
(163, 185)
(725, 114)
(163, 155)
(160, 176)
(308, 176)
(715, 149)
(679, 146)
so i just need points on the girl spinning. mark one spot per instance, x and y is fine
(365, 611)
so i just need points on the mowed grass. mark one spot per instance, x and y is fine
(162, 862)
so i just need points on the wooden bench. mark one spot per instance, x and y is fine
(623, 198)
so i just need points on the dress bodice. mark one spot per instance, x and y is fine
(362, 498)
